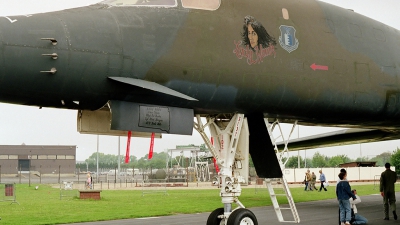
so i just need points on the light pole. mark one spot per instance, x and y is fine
(97, 161)
(96, 171)
(298, 152)
(119, 156)
(305, 158)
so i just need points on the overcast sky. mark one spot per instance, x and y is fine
(34, 126)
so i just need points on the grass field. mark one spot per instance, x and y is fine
(43, 206)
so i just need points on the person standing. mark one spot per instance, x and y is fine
(341, 171)
(343, 193)
(322, 179)
(338, 180)
(89, 181)
(386, 187)
(313, 181)
(357, 219)
(307, 180)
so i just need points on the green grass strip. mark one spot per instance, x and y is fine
(43, 206)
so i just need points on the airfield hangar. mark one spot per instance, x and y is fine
(44, 159)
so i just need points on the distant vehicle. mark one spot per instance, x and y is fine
(130, 172)
(112, 172)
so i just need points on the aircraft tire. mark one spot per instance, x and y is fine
(213, 217)
(242, 217)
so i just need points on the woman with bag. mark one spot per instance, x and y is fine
(323, 180)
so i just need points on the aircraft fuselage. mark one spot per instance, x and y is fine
(313, 61)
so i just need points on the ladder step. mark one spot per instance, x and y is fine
(278, 208)
(289, 197)
(278, 194)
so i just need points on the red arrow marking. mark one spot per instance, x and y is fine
(318, 67)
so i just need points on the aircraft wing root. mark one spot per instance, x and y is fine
(152, 86)
(341, 137)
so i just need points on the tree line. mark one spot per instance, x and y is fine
(160, 160)
(111, 161)
(319, 160)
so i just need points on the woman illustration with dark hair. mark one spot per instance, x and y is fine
(254, 34)
(256, 43)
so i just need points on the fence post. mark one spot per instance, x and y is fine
(115, 177)
(40, 173)
(59, 173)
(20, 174)
(29, 175)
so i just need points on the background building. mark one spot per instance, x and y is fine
(358, 164)
(40, 158)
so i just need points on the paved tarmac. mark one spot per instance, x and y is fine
(311, 213)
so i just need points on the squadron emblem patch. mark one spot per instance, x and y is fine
(288, 40)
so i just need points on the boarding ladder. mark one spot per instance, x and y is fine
(281, 181)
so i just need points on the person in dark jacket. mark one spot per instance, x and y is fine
(388, 178)
(343, 193)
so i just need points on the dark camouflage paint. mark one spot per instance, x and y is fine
(192, 51)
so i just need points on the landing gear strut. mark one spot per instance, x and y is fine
(231, 136)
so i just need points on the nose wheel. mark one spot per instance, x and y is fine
(242, 217)
(215, 218)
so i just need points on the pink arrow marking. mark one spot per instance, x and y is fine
(318, 67)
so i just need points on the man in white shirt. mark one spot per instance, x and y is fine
(357, 219)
